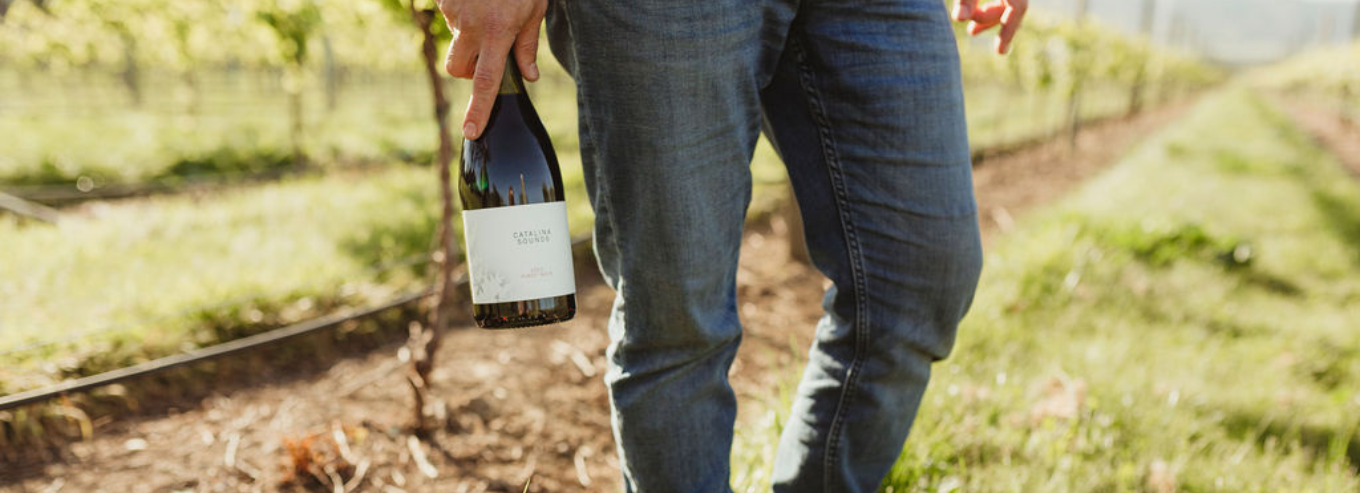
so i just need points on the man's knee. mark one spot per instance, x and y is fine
(927, 293)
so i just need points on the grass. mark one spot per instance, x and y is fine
(239, 126)
(236, 122)
(153, 277)
(1186, 322)
(64, 285)
(122, 282)
(997, 117)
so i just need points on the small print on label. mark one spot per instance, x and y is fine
(519, 253)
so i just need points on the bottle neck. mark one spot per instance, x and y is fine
(511, 81)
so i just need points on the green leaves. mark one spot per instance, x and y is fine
(293, 22)
(401, 11)
(1049, 54)
(184, 36)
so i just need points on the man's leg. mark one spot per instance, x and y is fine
(669, 119)
(866, 109)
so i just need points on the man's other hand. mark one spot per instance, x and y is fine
(1006, 13)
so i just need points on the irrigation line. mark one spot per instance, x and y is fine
(200, 355)
(244, 344)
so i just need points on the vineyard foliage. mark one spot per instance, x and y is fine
(67, 35)
(87, 60)
(1327, 76)
(1060, 74)
(194, 60)
(1330, 68)
(139, 91)
(1060, 55)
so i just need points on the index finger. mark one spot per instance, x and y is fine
(486, 82)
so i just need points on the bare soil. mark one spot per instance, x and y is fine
(1008, 185)
(1339, 137)
(525, 407)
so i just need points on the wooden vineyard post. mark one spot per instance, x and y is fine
(1347, 118)
(1074, 94)
(424, 341)
(332, 73)
(292, 27)
(1140, 75)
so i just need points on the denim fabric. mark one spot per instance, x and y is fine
(863, 101)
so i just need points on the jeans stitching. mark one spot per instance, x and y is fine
(601, 188)
(602, 194)
(836, 173)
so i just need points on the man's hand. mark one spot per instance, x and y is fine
(1007, 13)
(483, 33)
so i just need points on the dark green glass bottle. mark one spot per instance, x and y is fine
(515, 217)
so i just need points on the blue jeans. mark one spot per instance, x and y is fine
(863, 101)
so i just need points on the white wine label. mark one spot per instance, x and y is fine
(520, 252)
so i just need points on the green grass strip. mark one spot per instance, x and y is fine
(135, 280)
(1185, 322)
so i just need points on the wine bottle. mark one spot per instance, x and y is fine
(515, 217)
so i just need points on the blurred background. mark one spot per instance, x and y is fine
(1171, 299)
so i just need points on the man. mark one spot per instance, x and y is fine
(863, 101)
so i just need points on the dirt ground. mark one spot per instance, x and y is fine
(1009, 185)
(523, 404)
(1341, 138)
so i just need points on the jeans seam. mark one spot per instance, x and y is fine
(860, 325)
(601, 188)
(602, 194)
